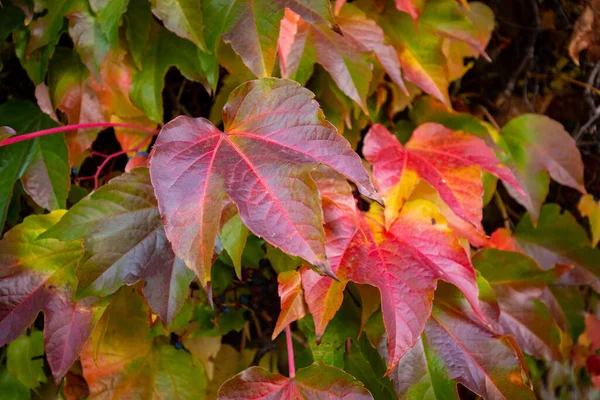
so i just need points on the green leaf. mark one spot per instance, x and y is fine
(365, 364)
(46, 29)
(11, 18)
(183, 17)
(25, 360)
(12, 388)
(40, 163)
(559, 239)
(164, 50)
(35, 63)
(281, 261)
(233, 236)
(109, 13)
(138, 20)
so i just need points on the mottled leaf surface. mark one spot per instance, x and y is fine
(124, 242)
(194, 165)
(130, 366)
(38, 274)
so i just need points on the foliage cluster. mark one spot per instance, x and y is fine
(334, 193)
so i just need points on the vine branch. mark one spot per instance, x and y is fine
(58, 129)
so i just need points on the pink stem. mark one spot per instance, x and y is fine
(290, 349)
(65, 128)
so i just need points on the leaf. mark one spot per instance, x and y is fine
(40, 163)
(454, 347)
(46, 29)
(589, 207)
(12, 388)
(88, 37)
(253, 31)
(124, 242)
(71, 93)
(369, 37)
(538, 148)
(37, 274)
(450, 161)
(270, 115)
(280, 261)
(205, 349)
(519, 283)
(419, 52)
(233, 236)
(10, 19)
(138, 18)
(36, 62)
(557, 239)
(184, 17)
(24, 359)
(292, 300)
(404, 262)
(108, 13)
(346, 61)
(131, 366)
(316, 381)
(164, 50)
(483, 20)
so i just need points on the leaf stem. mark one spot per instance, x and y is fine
(290, 349)
(58, 129)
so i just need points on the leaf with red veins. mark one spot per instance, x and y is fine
(318, 381)
(275, 134)
(348, 62)
(418, 250)
(124, 242)
(38, 275)
(455, 349)
(292, 300)
(67, 327)
(366, 35)
(413, 254)
(450, 161)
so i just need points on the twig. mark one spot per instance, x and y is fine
(32, 135)
(290, 350)
(588, 124)
(530, 55)
(502, 209)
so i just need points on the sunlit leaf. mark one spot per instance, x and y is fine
(271, 114)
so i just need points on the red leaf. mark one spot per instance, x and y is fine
(450, 161)
(318, 381)
(405, 264)
(38, 275)
(275, 134)
(67, 327)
